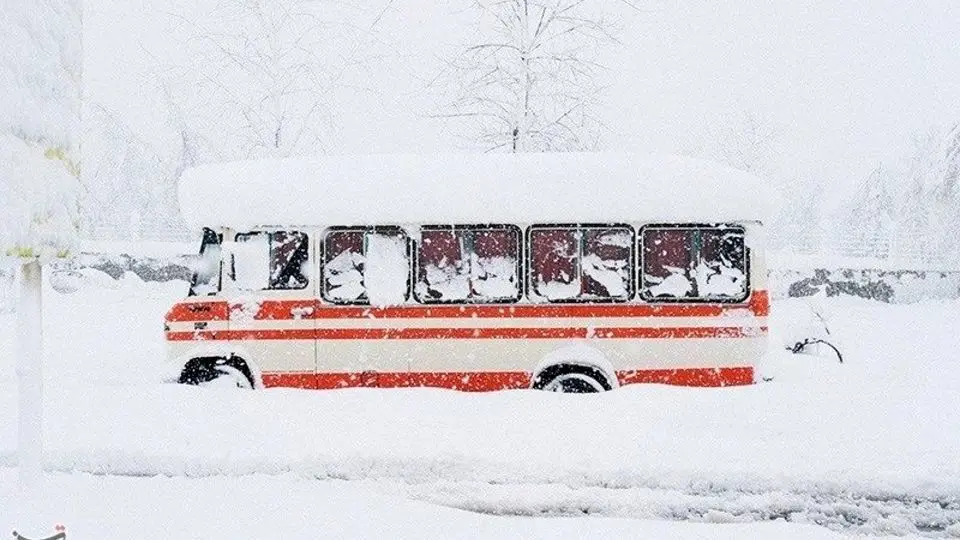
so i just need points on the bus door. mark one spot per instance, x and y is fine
(273, 305)
(365, 279)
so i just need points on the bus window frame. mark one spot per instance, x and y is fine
(521, 256)
(204, 245)
(270, 232)
(365, 229)
(748, 289)
(632, 274)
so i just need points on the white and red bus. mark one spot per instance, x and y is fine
(565, 272)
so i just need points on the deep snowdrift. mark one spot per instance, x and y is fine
(868, 446)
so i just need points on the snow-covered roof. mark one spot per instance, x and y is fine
(468, 188)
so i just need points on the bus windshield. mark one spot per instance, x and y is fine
(206, 273)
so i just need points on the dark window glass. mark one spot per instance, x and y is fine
(206, 276)
(581, 263)
(284, 253)
(468, 264)
(361, 266)
(694, 263)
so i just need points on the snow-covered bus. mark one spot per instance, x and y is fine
(563, 272)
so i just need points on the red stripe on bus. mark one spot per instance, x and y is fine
(733, 376)
(758, 304)
(470, 333)
(484, 381)
(198, 311)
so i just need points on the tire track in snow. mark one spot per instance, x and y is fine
(495, 489)
(860, 513)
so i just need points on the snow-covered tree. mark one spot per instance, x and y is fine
(944, 196)
(39, 126)
(928, 207)
(129, 183)
(869, 223)
(40, 81)
(527, 81)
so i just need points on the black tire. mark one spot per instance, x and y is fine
(571, 379)
(225, 372)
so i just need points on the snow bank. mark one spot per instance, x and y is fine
(289, 506)
(867, 445)
(468, 188)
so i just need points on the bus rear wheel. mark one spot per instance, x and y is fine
(571, 379)
(217, 372)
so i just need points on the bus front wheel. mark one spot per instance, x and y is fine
(217, 372)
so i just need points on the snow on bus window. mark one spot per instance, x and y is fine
(581, 263)
(474, 264)
(343, 266)
(388, 269)
(366, 266)
(251, 262)
(274, 260)
(694, 263)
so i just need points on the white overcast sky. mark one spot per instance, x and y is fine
(846, 84)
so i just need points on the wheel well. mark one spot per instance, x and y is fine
(547, 374)
(203, 369)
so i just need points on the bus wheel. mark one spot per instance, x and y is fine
(571, 379)
(216, 372)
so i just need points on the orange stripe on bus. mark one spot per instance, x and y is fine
(483, 381)
(198, 311)
(734, 376)
(471, 333)
(758, 304)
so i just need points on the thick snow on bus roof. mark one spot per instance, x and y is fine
(468, 188)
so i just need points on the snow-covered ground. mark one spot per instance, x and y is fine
(867, 447)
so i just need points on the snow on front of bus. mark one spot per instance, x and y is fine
(469, 189)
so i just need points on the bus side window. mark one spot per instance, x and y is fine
(667, 259)
(581, 263)
(607, 263)
(205, 280)
(366, 265)
(289, 252)
(470, 263)
(695, 263)
(343, 266)
(271, 261)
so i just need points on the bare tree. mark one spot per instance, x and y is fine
(529, 82)
(747, 141)
(942, 205)
(868, 223)
(262, 74)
